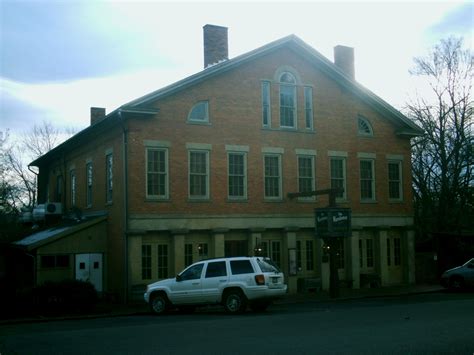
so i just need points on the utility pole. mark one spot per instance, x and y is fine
(330, 232)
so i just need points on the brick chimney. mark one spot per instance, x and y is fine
(215, 44)
(97, 114)
(344, 59)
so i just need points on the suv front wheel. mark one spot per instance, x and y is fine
(159, 303)
(235, 302)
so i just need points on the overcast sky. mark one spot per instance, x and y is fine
(59, 58)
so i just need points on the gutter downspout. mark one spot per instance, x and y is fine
(125, 202)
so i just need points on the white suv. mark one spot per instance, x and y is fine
(233, 282)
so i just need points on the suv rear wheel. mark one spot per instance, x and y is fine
(235, 302)
(159, 303)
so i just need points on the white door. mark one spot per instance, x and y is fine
(89, 268)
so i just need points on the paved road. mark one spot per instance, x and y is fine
(423, 324)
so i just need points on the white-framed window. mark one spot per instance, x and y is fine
(364, 128)
(366, 253)
(198, 174)
(73, 184)
(146, 262)
(272, 176)
(308, 107)
(287, 100)
(109, 165)
(89, 180)
(367, 180)
(395, 180)
(162, 261)
(237, 175)
(157, 173)
(338, 175)
(199, 113)
(306, 181)
(266, 106)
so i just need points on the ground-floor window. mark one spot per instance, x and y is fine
(188, 254)
(54, 261)
(162, 261)
(366, 253)
(146, 262)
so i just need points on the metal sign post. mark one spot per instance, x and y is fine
(331, 224)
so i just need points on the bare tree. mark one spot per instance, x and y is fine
(20, 190)
(443, 159)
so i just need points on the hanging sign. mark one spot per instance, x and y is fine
(332, 222)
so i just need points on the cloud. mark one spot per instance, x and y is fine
(61, 41)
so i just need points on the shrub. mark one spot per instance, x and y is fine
(66, 295)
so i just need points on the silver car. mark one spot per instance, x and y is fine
(459, 277)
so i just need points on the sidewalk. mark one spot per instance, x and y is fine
(103, 310)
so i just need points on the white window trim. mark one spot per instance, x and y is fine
(269, 124)
(369, 125)
(245, 196)
(195, 121)
(311, 126)
(91, 197)
(206, 152)
(280, 177)
(313, 176)
(399, 162)
(166, 195)
(295, 117)
(374, 198)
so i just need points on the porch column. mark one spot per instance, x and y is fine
(218, 242)
(353, 270)
(381, 263)
(178, 251)
(408, 256)
(289, 243)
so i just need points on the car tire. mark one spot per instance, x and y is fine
(260, 306)
(159, 303)
(456, 283)
(235, 302)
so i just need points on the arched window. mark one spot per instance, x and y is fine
(287, 100)
(199, 112)
(364, 127)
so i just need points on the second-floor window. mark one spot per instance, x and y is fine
(367, 180)
(198, 174)
(395, 180)
(266, 117)
(157, 173)
(89, 184)
(338, 175)
(287, 101)
(272, 179)
(72, 175)
(109, 161)
(308, 106)
(237, 179)
(306, 173)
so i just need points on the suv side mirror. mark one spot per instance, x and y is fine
(178, 278)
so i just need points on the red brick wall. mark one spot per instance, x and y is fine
(235, 118)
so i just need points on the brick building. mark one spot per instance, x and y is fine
(202, 168)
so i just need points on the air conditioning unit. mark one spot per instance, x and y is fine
(53, 208)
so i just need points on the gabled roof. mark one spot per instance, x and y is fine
(141, 105)
(407, 126)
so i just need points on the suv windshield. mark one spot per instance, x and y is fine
(266, 265)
